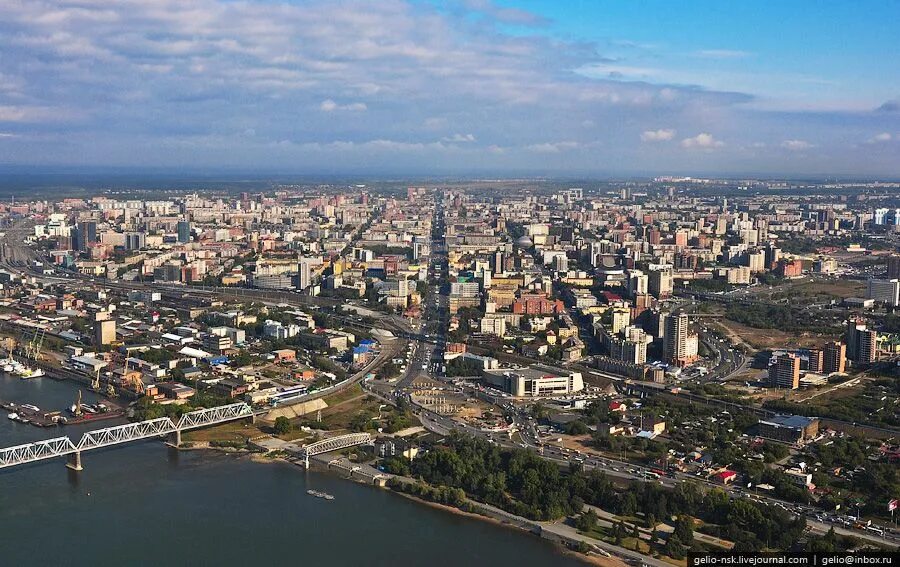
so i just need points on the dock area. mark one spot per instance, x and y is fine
(33, 415)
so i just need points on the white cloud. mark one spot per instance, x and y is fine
(552, 147)
(661, 135)
(796, 145)
(329, 105)
(702, 141)
(722, 54)
(459, 138)
(882, 137)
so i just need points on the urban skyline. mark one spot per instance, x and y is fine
(451, 88)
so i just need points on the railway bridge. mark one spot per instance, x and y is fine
(119, 434)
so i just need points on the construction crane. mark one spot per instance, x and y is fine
(136, 383)
(76, 407)
(95, 382)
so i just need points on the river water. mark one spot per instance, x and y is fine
(147, 504)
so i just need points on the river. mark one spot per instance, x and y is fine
(147, 504)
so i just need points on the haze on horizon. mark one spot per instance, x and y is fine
(412, 86)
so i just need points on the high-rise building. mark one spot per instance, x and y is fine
(893, 267)
(89, 231)
(884, 291)
(834, 357)
(773, 255)
(104, 330)
(861, 342)
(498, 263)
(661, 283)
(621, 318)
(637, 283)
(784, 372)
(135, 240)
(305, 275)
(78, 242)
(756, 261)
(867, 345)
(816, 360)
(679, 346)
(184, 231)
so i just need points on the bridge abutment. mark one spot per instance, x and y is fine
(73, 461)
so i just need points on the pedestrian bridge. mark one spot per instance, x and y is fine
(115, 435)
(332, 444)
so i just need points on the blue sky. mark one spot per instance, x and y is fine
(467, 86)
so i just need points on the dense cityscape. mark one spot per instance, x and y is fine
(461, 283)
(633, 369)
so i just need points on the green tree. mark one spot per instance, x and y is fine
(586, 521)
(282, 425)
(674, 548)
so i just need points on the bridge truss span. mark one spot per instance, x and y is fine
(39, 450)
(212, 416)
(118, 434)
(333, 444)
(125, 433)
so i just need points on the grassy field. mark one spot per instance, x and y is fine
(762, 339)
(233, 431)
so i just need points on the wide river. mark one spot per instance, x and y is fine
(146, 504)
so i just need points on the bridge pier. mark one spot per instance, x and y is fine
(74, 461)
(174, 439)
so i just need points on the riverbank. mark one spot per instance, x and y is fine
(482, 511)
(591, 559)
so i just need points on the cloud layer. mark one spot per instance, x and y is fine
(390, 85)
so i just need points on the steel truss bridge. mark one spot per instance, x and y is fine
(333, 444)
(118, 434)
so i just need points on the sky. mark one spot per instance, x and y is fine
(537, 87)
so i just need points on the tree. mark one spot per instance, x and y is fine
(674, 548)
(282, 425)
(586, 521)
(684, 529)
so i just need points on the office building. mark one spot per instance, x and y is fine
(886, 292)
(184, 232)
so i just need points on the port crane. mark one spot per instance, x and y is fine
(34, 346)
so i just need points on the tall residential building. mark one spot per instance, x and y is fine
(135, 240)
(305, 275)
(773, 256)
(661, 283)
(784, 372)
(867, 346)
(184, 232)
(679, 346)
(637, 283)
(756, 261)
(816, 360)
(834, 357)
(861, 342)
